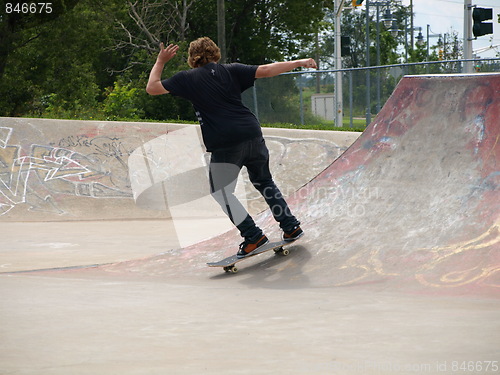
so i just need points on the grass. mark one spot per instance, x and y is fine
(358, 123)
(358, 126)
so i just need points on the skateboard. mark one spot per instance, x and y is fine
(229, 263)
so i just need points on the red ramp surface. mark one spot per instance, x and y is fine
(412, 205)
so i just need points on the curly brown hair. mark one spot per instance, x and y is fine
(203, 51)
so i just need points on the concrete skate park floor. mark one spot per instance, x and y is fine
(103, 326)
(54, 324)
(73, 323)
(70, 318)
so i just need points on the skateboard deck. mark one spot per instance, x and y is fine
(229, 263)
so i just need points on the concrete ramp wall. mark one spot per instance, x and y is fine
(413, 204)
(67, 170)
(52, 170)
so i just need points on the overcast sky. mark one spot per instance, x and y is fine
(444, 15)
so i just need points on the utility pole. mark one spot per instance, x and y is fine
(411, 25)
(339, 103)
(468, 35)
(368, 81)
(318, 62)
(221, 30)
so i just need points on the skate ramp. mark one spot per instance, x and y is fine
(73, 170)
(170, 173)
(412, 205)
(67, 188)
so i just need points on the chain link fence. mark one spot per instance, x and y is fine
(307, 98)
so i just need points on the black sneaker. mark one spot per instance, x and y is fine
(294, 234)
(248, 247)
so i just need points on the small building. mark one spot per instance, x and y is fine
(323, 105)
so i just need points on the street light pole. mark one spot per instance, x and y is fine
(368, 82)
(388, 19)
(221, 30)
(411, 25)
(468, 35)
(429, 35)
(339, 103)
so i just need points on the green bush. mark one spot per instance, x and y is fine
(122, 102)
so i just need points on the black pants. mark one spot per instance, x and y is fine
(225, 166)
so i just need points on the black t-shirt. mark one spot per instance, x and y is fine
(215, 92)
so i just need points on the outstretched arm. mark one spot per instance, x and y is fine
(273, 69)
(154, 86)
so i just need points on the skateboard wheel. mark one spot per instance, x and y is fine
(285, 252)
(231, 269)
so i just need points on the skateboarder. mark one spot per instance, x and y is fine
(230, 131)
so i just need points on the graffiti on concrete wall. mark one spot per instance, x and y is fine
(40, 175)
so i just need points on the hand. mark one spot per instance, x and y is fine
(309, 63)
(166, 54)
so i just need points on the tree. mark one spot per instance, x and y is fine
(60, 67)
(13, 25)
(88, 56)
(260, 31)
(149, 23)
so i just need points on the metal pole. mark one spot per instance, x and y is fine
(221, 30)
(368, 83)
(301, 102)
(350, 98)
(428, 46)
(428, 49)
(318, 62)
(339, 105)
(411, 26)
(406, 40)
(378, 57)
(256, 106)
(468, 35)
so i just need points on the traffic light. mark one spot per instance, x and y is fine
(357, 3)
(345, 46)
(481, 28)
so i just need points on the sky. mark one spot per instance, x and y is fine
(445, 15)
